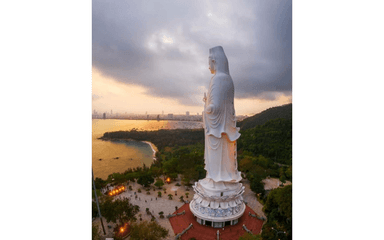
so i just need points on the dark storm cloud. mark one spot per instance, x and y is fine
(256, 36)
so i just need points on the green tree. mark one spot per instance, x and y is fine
(95, 212)
(130, 176)
(95, 232)
(159, 183)
(173, 176)
(278, 208)
(117, 178)
(159, 194)
(201, 172)
(145, 180)
(186, 180)
(257, 185)
(270, 233)
(118, 210)
(245, 164)
(170, 196)
(156, 171)
(170, 166)
(282, 171)
(148, 230)
(100, 183)
(282, 178)
(262, 161)
(98, 193)
(288, 173)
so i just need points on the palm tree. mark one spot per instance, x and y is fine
(137, 208)
(170, 196)
(186, 194)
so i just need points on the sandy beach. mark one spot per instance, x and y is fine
(153, 147)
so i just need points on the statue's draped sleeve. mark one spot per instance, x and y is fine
(221, 117)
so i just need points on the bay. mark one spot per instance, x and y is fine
(117, 156)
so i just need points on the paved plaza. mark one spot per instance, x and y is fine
(168, 206)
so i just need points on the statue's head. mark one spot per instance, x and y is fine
(218, 62)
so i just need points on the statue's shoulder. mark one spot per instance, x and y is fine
(221, 77)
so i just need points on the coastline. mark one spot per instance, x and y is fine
(153, 147)
(105, 132)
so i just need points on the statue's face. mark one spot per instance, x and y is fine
(211, 64)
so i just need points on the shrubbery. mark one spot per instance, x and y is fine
(272, 140)
(278, 208)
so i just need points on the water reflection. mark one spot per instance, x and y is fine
(109, 157)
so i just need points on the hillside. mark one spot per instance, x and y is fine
(272, 140)
(161, 138)
(284, 111)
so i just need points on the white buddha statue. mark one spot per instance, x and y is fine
(221, 132)
(218, 197)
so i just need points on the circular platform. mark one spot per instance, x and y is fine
(217, 206)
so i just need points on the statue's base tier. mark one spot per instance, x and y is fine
(217, 204)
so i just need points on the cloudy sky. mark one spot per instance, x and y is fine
(152, 56)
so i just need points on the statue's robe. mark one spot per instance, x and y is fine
(221, 132)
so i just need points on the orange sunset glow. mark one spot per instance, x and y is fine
(110, 94)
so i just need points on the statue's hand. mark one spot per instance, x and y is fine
(209, 109)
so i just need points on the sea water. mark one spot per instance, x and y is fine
(117, 156)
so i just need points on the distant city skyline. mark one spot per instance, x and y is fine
(154, 116)
(187, 113)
